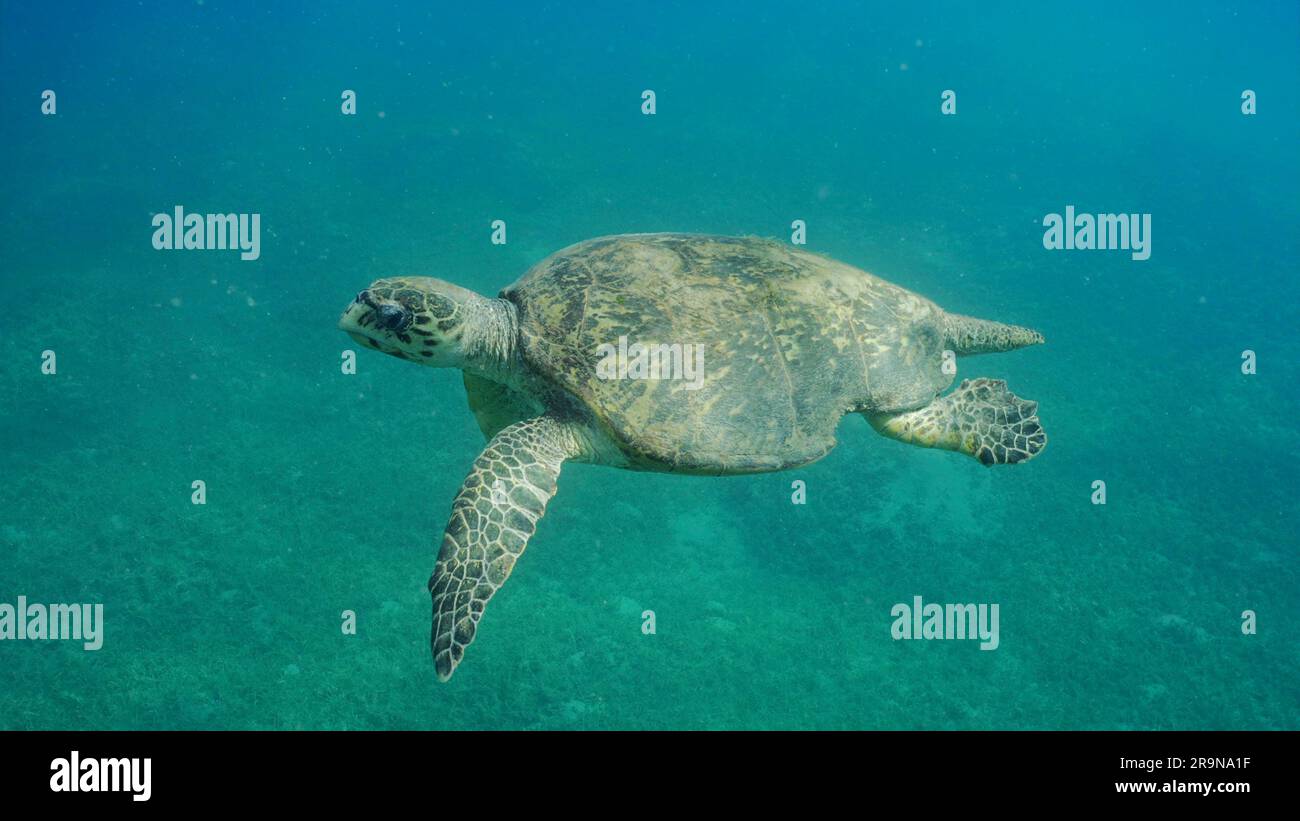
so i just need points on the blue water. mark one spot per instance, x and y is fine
(328, 492)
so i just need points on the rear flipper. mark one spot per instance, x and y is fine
(981, 419)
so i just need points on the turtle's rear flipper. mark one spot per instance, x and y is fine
(981, 419)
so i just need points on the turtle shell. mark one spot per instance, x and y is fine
(785, 342)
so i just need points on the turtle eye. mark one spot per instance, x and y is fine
(392, 318)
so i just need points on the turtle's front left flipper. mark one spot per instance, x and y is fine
(492, 519)
(981, 419)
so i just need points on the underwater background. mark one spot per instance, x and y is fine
(328, 492)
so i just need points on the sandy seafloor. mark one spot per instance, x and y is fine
(329, 492)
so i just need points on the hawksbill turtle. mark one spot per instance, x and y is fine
(787, 341)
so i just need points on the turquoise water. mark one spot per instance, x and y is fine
(328, 492)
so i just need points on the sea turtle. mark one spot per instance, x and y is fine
(676, 353)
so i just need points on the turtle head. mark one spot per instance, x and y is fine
(422, 319)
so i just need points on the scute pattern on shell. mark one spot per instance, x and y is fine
(791, 341)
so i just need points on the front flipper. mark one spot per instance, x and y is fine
(491, 521)
(981, 419)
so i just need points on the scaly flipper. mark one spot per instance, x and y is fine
(491, 521)
(981, 419)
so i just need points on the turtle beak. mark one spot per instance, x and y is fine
(354, 322)
(359, 320)
(351, 319)
(364, 313)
